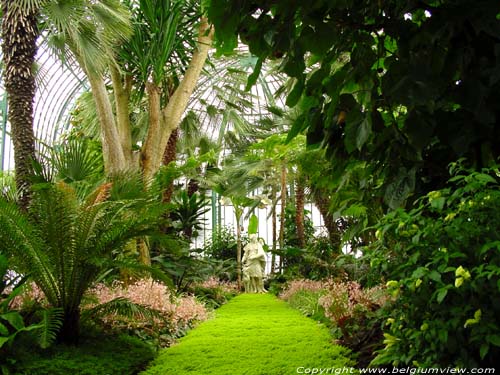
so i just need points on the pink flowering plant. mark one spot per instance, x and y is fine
(146, 308)
(172, 315)
(348, 309)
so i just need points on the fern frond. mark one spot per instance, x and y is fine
(19, 238)
(52, 320)
(123, 307)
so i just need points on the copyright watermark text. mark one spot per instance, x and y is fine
(405, 370)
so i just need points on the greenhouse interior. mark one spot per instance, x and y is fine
(249, 187)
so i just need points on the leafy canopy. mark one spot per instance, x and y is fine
(408, 86)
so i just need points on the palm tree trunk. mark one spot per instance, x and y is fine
(323, 202)
(282, 213)
(151, 151)
(70, 330)
(299, 212)
(193, 185)
(169, 156)
(274, 229)
(19, 35)
(238, 213)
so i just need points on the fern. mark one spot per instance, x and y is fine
(65, 244)
(50, 325)
(123, 307)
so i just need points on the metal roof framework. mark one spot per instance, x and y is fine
(221, 88)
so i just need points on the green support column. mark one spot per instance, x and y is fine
(214, 211)
(3, 128)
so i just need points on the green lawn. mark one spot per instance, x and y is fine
(254, 335)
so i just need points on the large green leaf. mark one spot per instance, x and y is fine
(14, 319)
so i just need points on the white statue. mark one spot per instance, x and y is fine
(254, 263)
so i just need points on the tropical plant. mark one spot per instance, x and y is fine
(442, 264)
(8, 186)
(12, 322)
(186, 267)
(65, 244)
(187, 213)
(358, 75)
(19, 36)
(221, 244)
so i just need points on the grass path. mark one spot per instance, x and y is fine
(254, 334)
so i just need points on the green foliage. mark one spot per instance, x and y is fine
(212, 297)
(253, 224)
(307, 302)
(65, 245)
(49, 326)
(161, 32)
(87, 31)
(313, 262)
(254, 333)
(8, 187)
(95, 355)
(222, 244)
(399, 84)
(187, 267)
(443, 265)
(187, 213)
(13, 324)
(77, 161)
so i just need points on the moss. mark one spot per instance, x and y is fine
(253, 335)
(96, 355)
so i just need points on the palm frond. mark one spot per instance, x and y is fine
(75, 161)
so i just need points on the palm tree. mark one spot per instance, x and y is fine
(19, 35)
(64, 244)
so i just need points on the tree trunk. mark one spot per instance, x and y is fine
(121, 89)
(171, 114)
(282, 213)
(144, 253)
(323, 203)
(114, 158)
(193, 185)
(19, 34)
(70, 330)
(152, 150)
(299, 212)
(274, 230)
(238, 213)
(169, 156)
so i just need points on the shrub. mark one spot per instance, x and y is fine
(355, 316)
(214, 293)
(175, 314)
(442, 261)
(222, 244)
(304, 296)
(350, 311)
